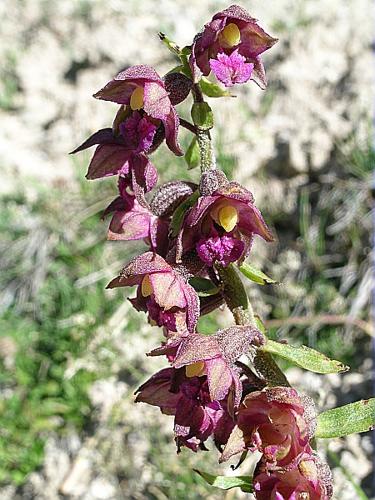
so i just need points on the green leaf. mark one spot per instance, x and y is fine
(211, 89)
(348, 419)
(179, 213)
(192, 155)
(202, 115)
(227, 482)
(254, 274)
(306, 358)
(203, 286)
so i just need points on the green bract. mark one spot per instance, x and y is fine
(192, 155)
(180, 211)
(348, 419)
(227, 482)
(305, 357)
(211, 89)
(202, 116)
(256, 275)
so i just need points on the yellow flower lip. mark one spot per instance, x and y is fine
(136, 99)
(228, 217)
(195, 370)
(231, 35)
(146, 286)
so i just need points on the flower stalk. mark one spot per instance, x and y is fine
(207, 154)
(201, 113)
(198, 236)
(237, 300)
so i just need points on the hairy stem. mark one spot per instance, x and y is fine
(234, 291)
(206, 150)
(207, 154)
(237, 301)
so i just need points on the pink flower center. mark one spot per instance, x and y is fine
(161, 318)
(231, 69)
(138, 132)
(222, 249)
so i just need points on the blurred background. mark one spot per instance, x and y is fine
(71, 353)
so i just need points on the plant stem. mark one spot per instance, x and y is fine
(237, 301)
(234, 291)
(189, 126)
(206, 151)
(208, 160)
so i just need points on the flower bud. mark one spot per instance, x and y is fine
(178, 86)
(168, 196)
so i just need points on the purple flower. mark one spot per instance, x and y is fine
(309, 477)
(113, 157)
(134, 220)
(223, 250)
(138, 132)
(197, 417)
(141, 89)
(275, 421)
(230, 45)
(162, 292)
(222, 224)
(168, 319)
(214, 356)
(231, 69)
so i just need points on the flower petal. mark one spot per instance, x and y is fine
(122, 86)
(128, 226)
(192, 308)
(145, 173)
(156, 100)
(108, 159)
(168, 290)
(137, 268)
(219, 377)
(103, 136)
(196, 348)
(236, 444)
(171, 125)
(156, 392)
